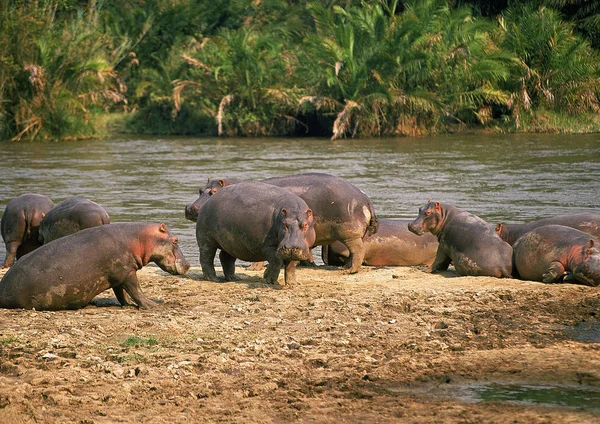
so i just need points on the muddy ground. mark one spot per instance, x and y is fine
(385, 345)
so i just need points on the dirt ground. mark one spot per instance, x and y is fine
(385, 345)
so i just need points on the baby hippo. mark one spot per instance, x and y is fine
(70, 216)
(465, 240)
(254, 222)
(69, 272)
(556, 254)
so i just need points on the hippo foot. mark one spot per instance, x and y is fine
(148, 304)
(228, 278)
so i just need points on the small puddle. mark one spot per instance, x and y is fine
(587, 399)
(588, 331)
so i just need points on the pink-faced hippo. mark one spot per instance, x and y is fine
(70, 216)
(465, 240)
(254, 222)
(20, 225)
(556, 254)
(392, 245)
(69, 272)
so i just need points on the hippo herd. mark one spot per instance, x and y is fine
(277, 220)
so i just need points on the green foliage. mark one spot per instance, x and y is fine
(135, 341)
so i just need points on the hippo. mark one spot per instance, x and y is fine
(586, 222)
(466, 240)
(392, 245)
(254, 222)
(341, 210)
(211, 187)
(70, 216)
(69, 272)
(556, 254)
(20, 225)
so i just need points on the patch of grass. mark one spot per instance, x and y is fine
(7, 340)
(135, 341)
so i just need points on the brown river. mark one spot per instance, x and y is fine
(139, 178)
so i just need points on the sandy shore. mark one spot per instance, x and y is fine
(384, 345)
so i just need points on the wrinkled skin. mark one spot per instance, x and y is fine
(21, 224)
(465, 240)
(342, 212)
(586, 222)
(392, 245)
(254, 222)
(70, 216)
(69, 272)
(557, 254)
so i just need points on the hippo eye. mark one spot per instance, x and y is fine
(428, 212)
(175, 242)
(304, 226)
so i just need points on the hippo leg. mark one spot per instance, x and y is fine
(357, 255)
(11, 253)
(120, 295)
(441, 262)
(289, 272)
(273, 268)
(132, 287)
(207, 258)
(554, 274)
(228, 264)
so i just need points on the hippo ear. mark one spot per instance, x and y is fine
(222, 183)
(309, 213)
(283, 212)
(438, 207)
(208, 181)
(499, 227)
(591, 244)
(162, 228)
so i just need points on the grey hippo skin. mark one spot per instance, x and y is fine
(21, 224)
(556, 254)
(392, 245)
(465, 240)
(254, 222)
(586, 222)
(70, 216)
(69, 272)
(342, 211)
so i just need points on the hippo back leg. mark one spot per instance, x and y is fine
(228, 264)
(11, 253)
(207, 258)
(357, 254)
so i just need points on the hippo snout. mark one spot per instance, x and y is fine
(191, 211)
(416, 229)
(287, 253)
(182, 266)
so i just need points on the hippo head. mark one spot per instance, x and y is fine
(429, 219)
(296, 234)
(588, 271)
(502, 231)
(211, 187)
(165, 251)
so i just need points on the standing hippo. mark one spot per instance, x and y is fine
(341, 210)
(20, 225)
(586, 222)
(392, 245)
(71, 271)
(466, 240)
(556, 253)
(70, 216)
(254, 222)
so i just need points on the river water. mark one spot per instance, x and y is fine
(137, 178)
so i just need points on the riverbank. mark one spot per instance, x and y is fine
(384, 345)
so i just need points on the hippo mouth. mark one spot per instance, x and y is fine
(292, 254)
(416, 229)
(191, 212)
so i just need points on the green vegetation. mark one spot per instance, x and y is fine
(135, 341)
(277, 67)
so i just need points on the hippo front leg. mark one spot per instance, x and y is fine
(441, 263)
(207, 259)
(357, 255)
(120, 295)
(228, 264)
(271, 274)
(132, 287)
(289, 273)
(554, 274)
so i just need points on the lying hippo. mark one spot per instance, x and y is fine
(341, 211)
(70, 216)
(69, 272)
(466, 240)
(254, 222)
(392, 245)
(556, 253)
(586, 222)
(20, 225)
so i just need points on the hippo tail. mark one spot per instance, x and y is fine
(374, 222)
